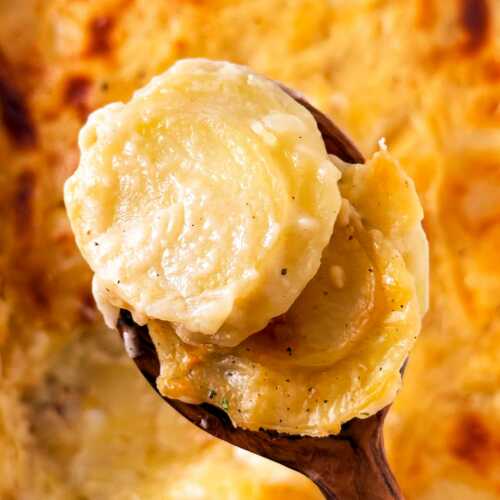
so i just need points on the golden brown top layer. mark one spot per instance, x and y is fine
(433, 92)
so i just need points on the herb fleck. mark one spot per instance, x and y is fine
(225, 404)
(284, 271)
(212, 394)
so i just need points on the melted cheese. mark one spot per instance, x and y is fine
(205, 201)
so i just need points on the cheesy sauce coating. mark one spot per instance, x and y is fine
(206, 201)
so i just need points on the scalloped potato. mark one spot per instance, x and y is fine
(205, 201)
(204, 206)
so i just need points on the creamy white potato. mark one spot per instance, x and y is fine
(205, 202)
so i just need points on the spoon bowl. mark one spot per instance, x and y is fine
(345, 466)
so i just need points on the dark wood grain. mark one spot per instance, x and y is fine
(349, 465)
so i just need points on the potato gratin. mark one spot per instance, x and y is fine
(207, 206)
(76, 420)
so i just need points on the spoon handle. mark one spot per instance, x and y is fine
(353, 466)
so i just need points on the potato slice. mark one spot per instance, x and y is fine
(336, 354)
(206, 201)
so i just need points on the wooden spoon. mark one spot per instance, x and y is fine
(349, 465)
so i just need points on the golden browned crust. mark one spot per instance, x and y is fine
(423, 73)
